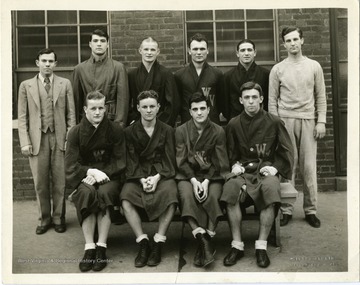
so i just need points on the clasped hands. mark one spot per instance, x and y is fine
(94, 175)
(149, 184)
(200, 189)
(238, 169)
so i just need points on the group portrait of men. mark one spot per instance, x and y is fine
(150, 140)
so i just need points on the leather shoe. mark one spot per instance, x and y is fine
(42, 229)
(262, 258)
(233, 256)
(88, 260)
(206, 247)
(285, 220)
(199, 257)
(155, 254)
(313, 220)
(100, 259)
(143, 254)
(60, 228)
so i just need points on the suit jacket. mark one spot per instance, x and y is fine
(29, 112)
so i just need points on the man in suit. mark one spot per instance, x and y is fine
(45, 114)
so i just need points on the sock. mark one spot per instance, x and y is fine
(237, 244)
(197, 231)
(141, 237)
(159, 238)
(101, 244)
(211, 233)
(90, 246)
(261, 244)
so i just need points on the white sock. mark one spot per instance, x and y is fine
(237, 244)
(101, 244)
(211, 233)
(159, 238)
(141, 237)
(261, 244)
(90, 246)
(197, 231)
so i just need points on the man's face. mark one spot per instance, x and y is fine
(293, 43)
(251, 100)
(98, 45)
(246, 53)
(46, 64)
(95, 111)
(149, 51)
(148, 109)
(198, 51)
(199, 111)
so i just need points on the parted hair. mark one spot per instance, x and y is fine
(289, 29)
(251, 85)
(99, 33)
(199, 38)
(46, 51)
(94, 95)
(243, 42)
(198, 97)
(147, 94)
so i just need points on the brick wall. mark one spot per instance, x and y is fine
(316, 31)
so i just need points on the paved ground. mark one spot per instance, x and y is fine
(304, 249)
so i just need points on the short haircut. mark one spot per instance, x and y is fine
(46, 51)
(290, 29)
(147, 94)
(149, 39)
(251, 85)
(198, 97)
(243, 42)
(99, 33)
(199, 38)
(94, 95)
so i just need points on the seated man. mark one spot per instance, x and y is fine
(94, 163)
(259, 149)
(150, 172)
(202, 165)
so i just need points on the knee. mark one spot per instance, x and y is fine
(86, 190)
(126, 206)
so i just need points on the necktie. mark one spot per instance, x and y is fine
(47, 85)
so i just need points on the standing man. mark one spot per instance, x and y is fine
(95, 160)
(199, 76)
(246, 70)
(100, 73)
(259, 149)
(202, 165)
(150, 188)
(46, 113)
(297, 96)
(151, 75)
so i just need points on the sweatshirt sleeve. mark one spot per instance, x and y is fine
(274, 91)
(320, 94)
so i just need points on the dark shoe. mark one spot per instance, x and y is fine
(101, 259)
(233, 256)
(313, 221)
(155, 254)
(88, 260)
(208, 250)
(143, 255)
(285, 220)
(262, 258)
(60, 228)
(199, 257)
(42, 229)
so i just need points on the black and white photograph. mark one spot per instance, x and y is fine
(194, 142)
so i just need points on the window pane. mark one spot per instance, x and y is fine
(62, 17)
(227, 36)
(31, 40)
(84, 40)
(199, 15)
(30, 17)
(229, 15)
(64, 42)
(259, 14)
(262, 33)
(92, 17)
(342, 38)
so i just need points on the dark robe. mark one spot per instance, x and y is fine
(255, 142)
(87, 147)
(236, 77)
(161, 80)
(210, 83)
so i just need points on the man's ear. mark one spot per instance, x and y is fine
(241, 100)
(261, 99)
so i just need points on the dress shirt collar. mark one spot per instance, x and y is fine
(42, 78)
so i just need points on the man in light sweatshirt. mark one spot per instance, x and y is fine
(297, 96)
